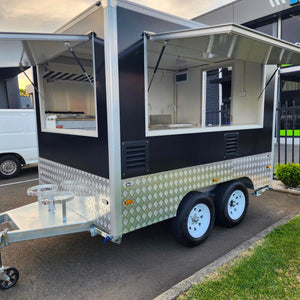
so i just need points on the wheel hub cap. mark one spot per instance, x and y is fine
(236, 204)
(198, 220)
(8, 167)
(195, 219)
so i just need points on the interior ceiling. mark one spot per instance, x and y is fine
(172, 63)
(32, 49)
(68, 59)
(219, 46)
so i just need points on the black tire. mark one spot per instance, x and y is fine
(13, 273)
(231, 203)
(191, 232)
(10, 166)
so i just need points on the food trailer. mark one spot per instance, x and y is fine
(142, 117)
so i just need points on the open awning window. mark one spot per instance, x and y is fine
(31, 49)
(218, 44)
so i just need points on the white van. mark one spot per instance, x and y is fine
(18, 141)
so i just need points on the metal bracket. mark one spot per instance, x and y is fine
(96, 231)
(3, 243)
(79, 63)
(117, 239)
(258, 192)
(4, 238)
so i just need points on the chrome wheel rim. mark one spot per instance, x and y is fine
(8, 167)
(198, 220)
(236, 204)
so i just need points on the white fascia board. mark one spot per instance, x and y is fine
(228, 29)
(43, 37)
(158, 14)
(290, 69)
(79, 132)
(187, 33)
(180, 131)
(243, 31)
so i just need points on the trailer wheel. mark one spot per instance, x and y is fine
(13, 275)
(10, 166)
(231, 203)
(194, 220)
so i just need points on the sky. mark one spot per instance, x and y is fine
(48, 15)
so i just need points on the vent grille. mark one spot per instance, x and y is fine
(231, 144)
(181, 77)
(135, 158)
(52, 76)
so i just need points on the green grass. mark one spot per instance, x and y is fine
(269, 270)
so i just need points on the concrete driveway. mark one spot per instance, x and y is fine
(148, 262)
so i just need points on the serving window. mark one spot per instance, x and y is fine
(186, 93)
(67, 91)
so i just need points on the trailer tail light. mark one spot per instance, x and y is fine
(127, 202)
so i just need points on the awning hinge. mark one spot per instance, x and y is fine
(79, 63)
(157, 64)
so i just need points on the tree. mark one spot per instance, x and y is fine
(23, 93)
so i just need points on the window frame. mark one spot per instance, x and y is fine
(178, 131)
(77, 132)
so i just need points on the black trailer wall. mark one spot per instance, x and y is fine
(171, 151)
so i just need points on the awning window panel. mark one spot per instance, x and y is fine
(216, 44)
(33, 49)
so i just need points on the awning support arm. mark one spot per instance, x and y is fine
(79, 63)
(157, 64)
(269, 81)
(23, 71)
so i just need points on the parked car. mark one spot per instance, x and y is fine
(18, 141)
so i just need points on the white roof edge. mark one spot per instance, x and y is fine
(158, 14)
(43, 36)
(290, 69)
(79, 17)
(134, 7)
(225, 28)
(191, 32)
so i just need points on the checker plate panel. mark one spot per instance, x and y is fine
(92, 193)
(157, 196)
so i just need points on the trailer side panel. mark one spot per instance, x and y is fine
(171, 152)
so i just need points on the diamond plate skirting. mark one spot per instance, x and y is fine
(91, 192)
(157, 196)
